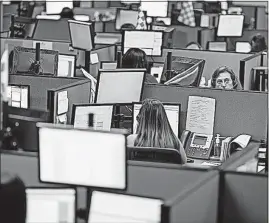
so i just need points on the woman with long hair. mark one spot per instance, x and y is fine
(154, 130)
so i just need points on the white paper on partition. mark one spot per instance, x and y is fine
(24, 98)
(43, 45)
(201, 115)
(62, 102)
(94, 58)
(121, 208)
(102, 117)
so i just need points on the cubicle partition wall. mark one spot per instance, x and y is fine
(25, 166)
(246, 75)
(40, 85)
(213, 59)
(107, 38)
(63, 48)
(196, 203)
(98, 54)
(207, 35)
(91, 11)
(77, 93)
(237, 112)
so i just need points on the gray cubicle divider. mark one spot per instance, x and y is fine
(244, 197)
(207, 34)
(196, 203)
(63, 48)
(25, 165)
(104, 53)
(39, 86)
(237, 112)
(246, 75)
(213, 60)
(78, 93)
(107, 38)
(91, 11)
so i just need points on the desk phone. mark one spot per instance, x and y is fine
(198, 146)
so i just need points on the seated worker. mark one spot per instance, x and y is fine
(137, 58)
(194, 46)
(154, 130)
(12, 199)
(224, 78)
(67, 13)
(258, 43)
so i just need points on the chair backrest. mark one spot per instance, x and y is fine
(150, 154)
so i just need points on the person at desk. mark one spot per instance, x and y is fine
(258, 43)
(224, 78)
(137, 58)
(154, 130)
(67, 13)
(12, 199)
(194, 46)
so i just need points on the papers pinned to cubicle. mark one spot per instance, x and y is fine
(43, 45)
(4, 75)
(93, 84)
(201, 115)
(94, 58)
(62, 107)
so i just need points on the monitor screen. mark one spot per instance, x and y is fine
(205, 20)
(82, 157)
(55, 7)
(119, 86)
(157, 8)
(60, 30)
(109, 65)
(121, 208)
(242, 47)
(81, 35)
(66, 65)
(166, 21)
(126, 16)
(18, 96)
(103, 115)
(172, 112)
(217, 46)
(230, 25)
(149, 41)
(50, 205)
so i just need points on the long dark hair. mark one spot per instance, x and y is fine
(134, 58)
(258, 43)
(153, 128)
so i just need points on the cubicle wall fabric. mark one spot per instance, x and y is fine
(234, 114)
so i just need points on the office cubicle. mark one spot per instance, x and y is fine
(237, 112)
(91, 11)
(63, 48)
(246, 75)
(40, 85)
(213, 60)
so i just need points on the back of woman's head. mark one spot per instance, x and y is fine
(67, 13)
(12, 199)
(153, 129)
(258, 43)
(194, 46)
(127, 26)
(134, 58)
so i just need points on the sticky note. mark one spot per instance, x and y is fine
(94, 58)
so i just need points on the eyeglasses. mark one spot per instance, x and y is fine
(226, 81)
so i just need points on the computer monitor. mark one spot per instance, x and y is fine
(82, 157)
(66, 65)
(121, 208)
(242, 47)
(103, 116)
(56, 6)
(165, 20)
(109, 65)
(149, 41)
(82, 35)
(44, 27)
(124, 16)
(230, 26)
(157, 8)
(217, 46)
(172, 112)
(120, 85)
(50, 205)
(19, 96)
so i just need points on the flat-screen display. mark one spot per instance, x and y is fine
(126, 16)
(66, 65)
(56, 6)
(50, 205)
(82, 157)
(149, 41)
(230, 25)
(242, 47)
(122, 208)
(157, 8)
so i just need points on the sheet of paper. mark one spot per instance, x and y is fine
(242, 140)
(201, 115)
(16, 104)
(93, 84)
(210, 164)
(62, 118)
(63, 68)
(15, 94)
(24, 98)
(94, 58)
(43, 45)
(204, 21)
(62, 102)
(4, 75)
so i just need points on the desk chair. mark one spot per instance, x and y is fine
(260, 77)
(150, 154)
